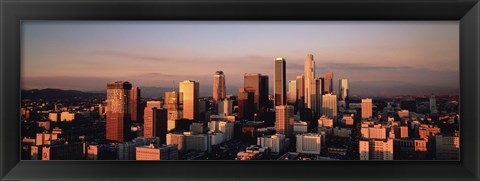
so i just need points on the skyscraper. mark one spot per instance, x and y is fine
(264, 91)
(433, 104)
(219, 88)
(343, 83)
(135, 95)
(328, 83)
(118, 114)
(284, 120)
(258, 84)
(309, 77)
(300, 92)
(292, 93)
(366, 108)
(329, 105)
(190, 91)
(245, 104)
(317, 109)
(174, 104)
(280, 87)
(155, 123)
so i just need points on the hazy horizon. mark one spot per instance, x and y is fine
(379, 58)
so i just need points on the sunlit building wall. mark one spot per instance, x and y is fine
(190, 91)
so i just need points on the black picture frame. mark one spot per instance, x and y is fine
(14, 11)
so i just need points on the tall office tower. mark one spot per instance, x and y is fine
(376, 149)
(258, 84)
(309, 77)
(300, 92)
(264, 101)
(366, 108)
(343, 83)
(189, 89)
(174, 104)
(280, 87)
(134, 103)
(318, 89)
(433, 104)
(118, 115)
(328, 83)
(245, 104)
(284, 120)
(329, 105)
(292, 93)
(219, 88)
(155, 123)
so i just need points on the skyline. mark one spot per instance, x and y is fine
(428, 50)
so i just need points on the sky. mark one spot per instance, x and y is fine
(377, 57)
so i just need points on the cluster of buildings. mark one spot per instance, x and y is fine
(304, 119)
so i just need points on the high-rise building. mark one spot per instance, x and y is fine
(376, 149)
(433, 104)
(309, 77)
(366, 108)
(309, 143)
(280, 87)
(264, 97)
(134, 103)
(318, 97)
(343, 89)
(246, 104)
(258, 85)
(329, 105)
(292, 93)
(300, 92)
(219, 87)
(284, 120)
(174, 105)
(118, 114)
(152, 152)
(190, 91)
(328, 84)
(155, 123)
(225, 107)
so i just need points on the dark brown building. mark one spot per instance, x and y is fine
(118, 114)
(155, 123)
(134, 103)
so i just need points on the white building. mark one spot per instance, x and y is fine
(370, 131)
(222, 126)
(300, 127)
(329, 105)
(376, 149)
(309, 143)
(276, 143)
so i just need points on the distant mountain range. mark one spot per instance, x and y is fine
(56, 94)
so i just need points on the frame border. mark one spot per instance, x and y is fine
(12, 12)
